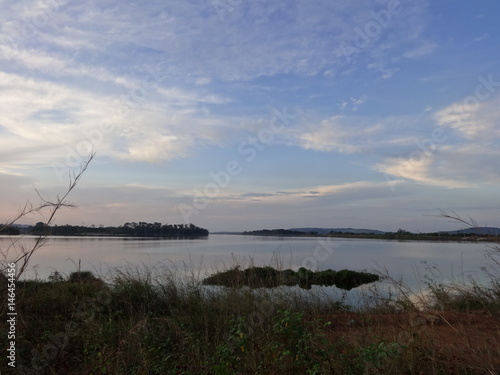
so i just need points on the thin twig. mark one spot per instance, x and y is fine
(23, 254)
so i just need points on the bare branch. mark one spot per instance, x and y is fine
(471, 223)
(24, 254)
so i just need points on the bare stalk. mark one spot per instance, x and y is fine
(471, 223)
(23, 253)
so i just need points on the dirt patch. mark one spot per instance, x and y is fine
(452, 342)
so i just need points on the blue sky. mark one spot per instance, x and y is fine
(240, 115)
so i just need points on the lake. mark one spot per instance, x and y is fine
(454, 261)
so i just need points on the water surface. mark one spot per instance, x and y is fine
(454, 261)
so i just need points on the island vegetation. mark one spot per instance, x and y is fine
(269, 277)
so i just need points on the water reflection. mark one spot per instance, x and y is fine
(455, 261)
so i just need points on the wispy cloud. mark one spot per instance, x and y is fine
(472, 119)
(88, 56)
(299, 38)
(41, 114)
(454, 163)
(423, 49)
(425, 171)
(180, 85)
(358, 190)
(353, 133)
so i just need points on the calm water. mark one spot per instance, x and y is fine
(455, 261)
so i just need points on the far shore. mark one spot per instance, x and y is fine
(434, 237)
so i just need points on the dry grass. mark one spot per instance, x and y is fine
(163, 321)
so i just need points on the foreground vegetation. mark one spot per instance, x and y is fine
(155, 321)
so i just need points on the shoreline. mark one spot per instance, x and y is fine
(388, 237)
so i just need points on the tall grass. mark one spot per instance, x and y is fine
(162, 320)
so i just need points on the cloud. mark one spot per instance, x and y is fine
(472, 119)
(460, 157)
(423, 49)
(424, 171)
(48, 117)
(381, 67)
(91, 62)
(255, 195)
(482, 37)
(200, 40)
(333, 134)
(353, 103)
(57, 67)
(450, 166)
(40, 115)
(357, 134)
(203, 81)
(359, 189)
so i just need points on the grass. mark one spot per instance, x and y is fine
(154, 321)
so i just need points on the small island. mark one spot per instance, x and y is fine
(268, 277)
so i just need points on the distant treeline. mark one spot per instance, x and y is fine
(403, 235)
(278, 232)
(141, 229)
(400, 234)
(9, 230)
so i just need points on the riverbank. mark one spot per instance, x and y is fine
(405, 236)
(132, 322)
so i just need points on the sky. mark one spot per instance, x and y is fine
(241, 115)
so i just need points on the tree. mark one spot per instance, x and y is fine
(9, 230)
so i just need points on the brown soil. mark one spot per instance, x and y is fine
(454, 342)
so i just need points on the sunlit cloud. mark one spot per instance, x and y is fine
(473, 119)
(423, 171)
(448, 163)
